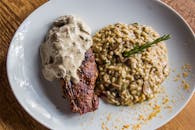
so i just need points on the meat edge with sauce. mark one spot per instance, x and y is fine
(80, 94)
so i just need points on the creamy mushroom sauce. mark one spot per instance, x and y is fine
(64, 49)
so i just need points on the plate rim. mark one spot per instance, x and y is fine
(42, 122)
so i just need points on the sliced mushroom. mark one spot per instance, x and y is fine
(146, 88)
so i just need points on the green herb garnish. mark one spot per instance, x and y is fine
(141, 48)
(135, 24)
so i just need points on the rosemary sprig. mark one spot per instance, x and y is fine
(141, 48)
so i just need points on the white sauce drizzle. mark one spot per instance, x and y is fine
(64, 49)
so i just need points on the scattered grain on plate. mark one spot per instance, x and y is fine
(125, 127)
(141, 117)
(156, 110)
(136, 127)
(165, 100)
(116, 127)
(185, 85)
(187, 67)
(104, 127)
(177, 77)
(108, 117)
(185, 74)
(169, 108)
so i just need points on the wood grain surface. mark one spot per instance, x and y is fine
(12, 115)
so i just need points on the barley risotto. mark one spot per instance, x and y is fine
(129, 80)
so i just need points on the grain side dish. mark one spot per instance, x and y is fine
(126, 80)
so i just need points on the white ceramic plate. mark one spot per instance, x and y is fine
(43, 100)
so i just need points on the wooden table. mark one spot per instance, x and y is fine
(12, 115)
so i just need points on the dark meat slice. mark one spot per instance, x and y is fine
(81, 95)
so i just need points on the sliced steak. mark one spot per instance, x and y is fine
(81, 95)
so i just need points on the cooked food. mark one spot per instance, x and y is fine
(64, 49)
(131, 68)
(81, 95)
(66, 55)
